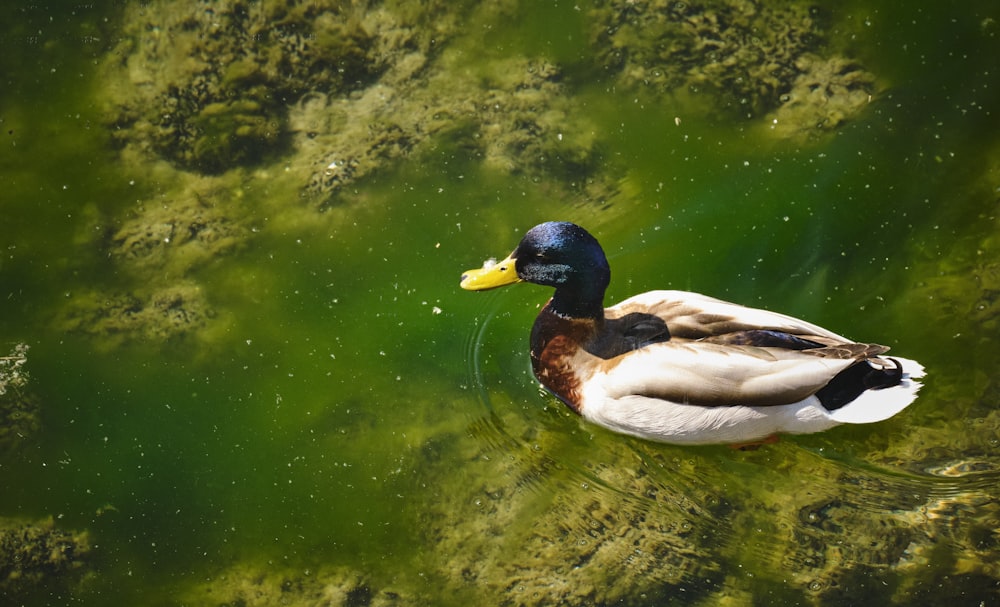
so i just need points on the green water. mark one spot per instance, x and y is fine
(348, 409)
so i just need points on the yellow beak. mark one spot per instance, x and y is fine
(490, 276)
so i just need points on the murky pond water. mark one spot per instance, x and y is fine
(238, 368)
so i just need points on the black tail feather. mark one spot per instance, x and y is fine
(854, 380)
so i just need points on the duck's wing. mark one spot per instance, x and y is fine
(716, 353)
(712, 374)
(692, 316)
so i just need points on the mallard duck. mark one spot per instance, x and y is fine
(684, 368)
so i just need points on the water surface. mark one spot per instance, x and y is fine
(328, 415)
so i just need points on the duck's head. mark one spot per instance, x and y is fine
(556, 254)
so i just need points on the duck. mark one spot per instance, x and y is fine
(684, 368)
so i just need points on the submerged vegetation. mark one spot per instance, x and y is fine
(256, 373)
(38, 554)
(18, 405)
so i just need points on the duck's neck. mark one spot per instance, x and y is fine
(584, 302)
(569, 318)
(572, 319)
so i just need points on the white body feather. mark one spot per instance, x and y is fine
(679, 423)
